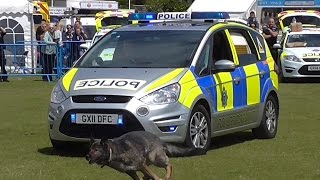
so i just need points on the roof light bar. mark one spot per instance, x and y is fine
(178, 16)
(210, 15)
(142, 16)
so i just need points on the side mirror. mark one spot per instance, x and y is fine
(224, 66)
(276, 46)
(84, 46)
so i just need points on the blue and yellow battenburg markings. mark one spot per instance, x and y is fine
(225, 94)
(190, 89)
(239, 89)
(253, 84)
(265, 82)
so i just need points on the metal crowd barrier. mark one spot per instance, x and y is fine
(33, 58)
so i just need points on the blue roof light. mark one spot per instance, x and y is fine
(148, 16)
(142, 16)
(210, 15)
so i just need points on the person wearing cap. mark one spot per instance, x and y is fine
(252, 21)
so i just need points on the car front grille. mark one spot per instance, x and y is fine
(99, 131)
(304, 71)
(311, 60)
(101, 99)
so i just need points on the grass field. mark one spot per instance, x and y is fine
(26, 153)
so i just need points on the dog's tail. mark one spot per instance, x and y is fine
(176, 151)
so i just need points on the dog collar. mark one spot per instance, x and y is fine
(110, 154)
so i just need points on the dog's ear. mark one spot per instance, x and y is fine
(91, 140)
(105, 141)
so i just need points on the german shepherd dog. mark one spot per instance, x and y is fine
(136, 151)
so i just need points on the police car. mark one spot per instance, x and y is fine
(309, 18)
(184, 81)
(95, 38)
(300, 54)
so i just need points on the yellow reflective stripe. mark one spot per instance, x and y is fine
(67, 78)
(224, 83)
(98, 24)
(190, 89)
(273, 74)
(233, 49)
(164, 79)
(253, 84)
(281, 25)
(268, 53)
(283, 54)
(275, 80)
(255, 45)
(135, 22)
(215, 27)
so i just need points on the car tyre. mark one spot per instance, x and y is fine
(269, 123)
(199, 129)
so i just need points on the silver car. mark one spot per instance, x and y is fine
(184, 82)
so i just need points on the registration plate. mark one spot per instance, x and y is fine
(313, 68)
(80, 118)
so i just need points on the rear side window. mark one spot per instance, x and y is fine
(245, 48)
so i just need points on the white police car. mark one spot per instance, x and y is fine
(299, 54)
(95, 38)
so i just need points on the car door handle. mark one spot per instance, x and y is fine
(236, 80)
(262, 73)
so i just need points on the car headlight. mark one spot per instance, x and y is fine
(291, 58)
(57, 95)
(165, 95)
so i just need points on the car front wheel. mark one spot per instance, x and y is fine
(269, 123)
(199, 128)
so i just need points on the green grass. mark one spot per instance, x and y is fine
(26, 153)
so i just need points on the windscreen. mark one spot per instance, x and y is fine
(114, 21)
(313, 20)
(143, 49)
(303, 40)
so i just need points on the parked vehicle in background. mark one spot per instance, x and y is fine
(299, 54)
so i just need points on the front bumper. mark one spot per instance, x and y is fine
(157, 121)
(292, 69)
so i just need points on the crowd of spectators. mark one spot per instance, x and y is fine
(50, 36)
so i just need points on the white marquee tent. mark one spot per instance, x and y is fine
(16, 19)
(236, 8)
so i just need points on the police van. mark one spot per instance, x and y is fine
(299, 54)
(183, 77)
